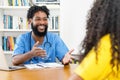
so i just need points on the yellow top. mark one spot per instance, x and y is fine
(101, 69)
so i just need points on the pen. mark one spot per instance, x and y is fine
(40, 65)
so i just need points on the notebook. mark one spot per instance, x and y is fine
(4, 64)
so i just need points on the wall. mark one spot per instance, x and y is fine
(73, 15)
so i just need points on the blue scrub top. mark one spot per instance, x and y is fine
(55, 47)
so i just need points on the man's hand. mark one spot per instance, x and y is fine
(36, 51)
(68, 57)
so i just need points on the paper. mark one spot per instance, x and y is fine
(32, 66)
(43, 65)
(50, 65)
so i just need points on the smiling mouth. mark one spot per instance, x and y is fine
(41, 28)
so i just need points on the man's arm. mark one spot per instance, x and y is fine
(21, 58)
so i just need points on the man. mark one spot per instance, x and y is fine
(39, 45)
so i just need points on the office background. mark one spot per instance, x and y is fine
(73, 15)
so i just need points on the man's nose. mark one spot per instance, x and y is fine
(42, 22)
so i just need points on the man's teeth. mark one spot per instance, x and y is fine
(41, 27)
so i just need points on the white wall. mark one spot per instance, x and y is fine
(73, 15)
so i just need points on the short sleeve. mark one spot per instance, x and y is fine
(92, 69)
(19, 46)
(60, 48)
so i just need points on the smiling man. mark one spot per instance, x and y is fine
(39, 45)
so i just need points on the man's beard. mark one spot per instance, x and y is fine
(36, 32)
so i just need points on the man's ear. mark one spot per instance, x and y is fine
(29, 21)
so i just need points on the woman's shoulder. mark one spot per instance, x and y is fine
(105, 37)
(105, 40)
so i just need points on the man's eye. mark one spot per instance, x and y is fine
(37, 19)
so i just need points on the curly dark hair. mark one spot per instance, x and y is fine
(103, 18)
(32, 10)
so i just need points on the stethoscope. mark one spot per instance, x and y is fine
(46, 44)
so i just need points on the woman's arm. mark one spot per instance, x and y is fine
(75, 77)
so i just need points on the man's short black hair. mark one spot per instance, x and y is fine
(32, 10)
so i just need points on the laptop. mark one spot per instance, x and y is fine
(4, 64)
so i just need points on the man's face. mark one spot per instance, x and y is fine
(39, 24)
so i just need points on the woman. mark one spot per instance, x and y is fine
(101, 46)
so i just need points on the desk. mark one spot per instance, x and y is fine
(39, 74)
